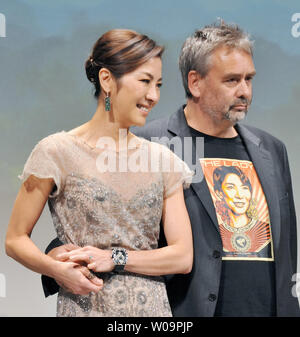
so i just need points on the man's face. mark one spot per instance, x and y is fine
(227, 88)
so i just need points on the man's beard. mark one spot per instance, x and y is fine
(224, 112)
(235, 116)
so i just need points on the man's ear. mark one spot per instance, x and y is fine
(194, 83)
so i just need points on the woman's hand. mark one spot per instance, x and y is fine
(81, 289)
(61, 249)
(77, 279)
(98, 260)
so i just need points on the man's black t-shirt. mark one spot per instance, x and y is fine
(247, 286)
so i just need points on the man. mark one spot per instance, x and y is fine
(236, 272)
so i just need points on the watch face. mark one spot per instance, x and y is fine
(119, 256)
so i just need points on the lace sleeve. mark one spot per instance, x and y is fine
(175, 172)
(43, 162)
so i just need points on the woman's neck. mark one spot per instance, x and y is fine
(103, 124)
(238, 221)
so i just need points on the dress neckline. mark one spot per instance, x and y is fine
(131, 146)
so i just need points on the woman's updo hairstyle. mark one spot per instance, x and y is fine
(120, 51)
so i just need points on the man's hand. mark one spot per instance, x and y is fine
(77, 278)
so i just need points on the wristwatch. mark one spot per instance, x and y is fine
(119, 257)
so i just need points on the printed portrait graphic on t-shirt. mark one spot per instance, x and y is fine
(241, 209)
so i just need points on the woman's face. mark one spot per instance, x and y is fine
(137, 93)
(236, 194)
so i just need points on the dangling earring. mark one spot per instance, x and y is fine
(107, 102)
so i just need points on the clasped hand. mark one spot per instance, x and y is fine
(98, 260)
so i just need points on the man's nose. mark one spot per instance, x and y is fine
(245, 90)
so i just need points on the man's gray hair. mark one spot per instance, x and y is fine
(197, 49)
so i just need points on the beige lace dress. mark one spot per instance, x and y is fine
(106, 199)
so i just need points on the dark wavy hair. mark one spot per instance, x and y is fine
(120, 51)
(220, 173)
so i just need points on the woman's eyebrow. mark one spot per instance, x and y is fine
(150, 75)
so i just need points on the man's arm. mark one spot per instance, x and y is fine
(50, 286)
(293, 219)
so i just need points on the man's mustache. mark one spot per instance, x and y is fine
(240, 101)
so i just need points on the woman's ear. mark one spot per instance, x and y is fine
(105, 80)
(219, 194)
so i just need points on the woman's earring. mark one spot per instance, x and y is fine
(107, 102)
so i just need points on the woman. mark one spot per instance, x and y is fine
(243, 229)
(233, 187)
(111, 213)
